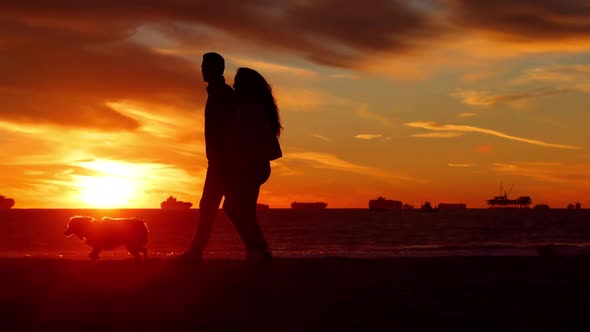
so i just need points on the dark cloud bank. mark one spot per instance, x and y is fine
(61, 60)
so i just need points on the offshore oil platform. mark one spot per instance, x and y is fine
(503, 201)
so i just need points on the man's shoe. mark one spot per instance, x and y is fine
(258, 258)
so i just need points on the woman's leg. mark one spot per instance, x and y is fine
(240, 207)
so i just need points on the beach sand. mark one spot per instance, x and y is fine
(325, 294)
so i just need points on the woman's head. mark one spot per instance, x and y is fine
(251, 87)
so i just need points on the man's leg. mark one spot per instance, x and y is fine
(208, 206)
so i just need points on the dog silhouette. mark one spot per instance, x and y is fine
(110, 233)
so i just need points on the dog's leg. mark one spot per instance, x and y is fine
(135, 253)
(144, 251)
(94, 254)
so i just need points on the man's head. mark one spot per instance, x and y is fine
(212, 66)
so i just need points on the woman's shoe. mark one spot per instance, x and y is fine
(190, 256)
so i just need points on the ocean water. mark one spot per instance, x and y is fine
(319, 233)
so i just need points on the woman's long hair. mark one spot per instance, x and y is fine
(250, 86)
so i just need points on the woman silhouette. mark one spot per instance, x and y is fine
(252, 143)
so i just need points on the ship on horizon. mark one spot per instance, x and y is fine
(309, 205)
(6, 203)
(173, 204)
(382, 204)
(503, 201)
(451, 206)
(262, 207)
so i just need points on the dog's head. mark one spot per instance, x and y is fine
(78, 226)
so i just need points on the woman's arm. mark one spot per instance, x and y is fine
(252, 138)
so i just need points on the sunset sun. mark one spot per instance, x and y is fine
(115, 184)
(105, 192)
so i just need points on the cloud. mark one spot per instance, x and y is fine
(552, 172)
(487, 99)
(307, 100)
(478, 75)
(559, 80)
(312, 29)
(173, 141)
(575, 77)
(331, 161)
(322, 137)
(162, 121)
(555, 74)
(345, 76)
(504, 166)
(434, 126)
(363, 112)
(525, 20)
(63, 73)
(355, 36)
(466, 115)
(17, 128)
(391, 37)
(447, 134)
(475, 98)
(273, 67)
(460, 165)
(368, 137)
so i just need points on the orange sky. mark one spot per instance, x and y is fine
(101, 102)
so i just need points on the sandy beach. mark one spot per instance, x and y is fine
(329, 294)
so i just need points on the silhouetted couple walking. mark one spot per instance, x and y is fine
(242, 127)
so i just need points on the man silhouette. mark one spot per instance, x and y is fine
(220, 113)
